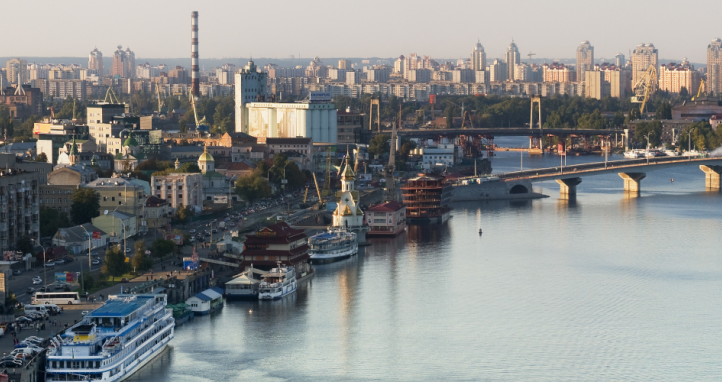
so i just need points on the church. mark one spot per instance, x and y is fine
(348, 213)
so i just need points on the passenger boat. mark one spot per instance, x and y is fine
(670, 153)
(335, 244)
(692, 153)
(277, 283)
(634, 154)
(112, 342)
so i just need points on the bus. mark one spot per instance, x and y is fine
(64, 298)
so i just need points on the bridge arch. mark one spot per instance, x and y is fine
(519, 189)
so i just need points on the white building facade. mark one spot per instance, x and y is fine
(250, 86)
(289, 120)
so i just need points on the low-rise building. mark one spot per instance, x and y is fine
(156, 214)
(19, 208)
(77, 239)
(179, 189)
(277, 243)
(119, 194)
(117, 225)
(386, 219)
(443, 155)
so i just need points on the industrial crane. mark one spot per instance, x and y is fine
(199, 124)
(160, 101)
(702, 89)
(391, 166)
(318, 190)
(110, 96)
(530, 54)
(644, 87)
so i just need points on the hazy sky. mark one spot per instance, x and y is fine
(369, 28)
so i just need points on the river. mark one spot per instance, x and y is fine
(602, 287)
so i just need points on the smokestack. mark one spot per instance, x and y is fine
(195, 77)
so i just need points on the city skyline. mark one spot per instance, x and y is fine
(168, 36)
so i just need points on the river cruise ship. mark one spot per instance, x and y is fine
(333, 245)
(277, 283)
(112, 342)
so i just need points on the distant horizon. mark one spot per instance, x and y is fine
(229, 29)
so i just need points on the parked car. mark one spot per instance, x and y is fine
(59, 261)
(37, 280)
(192, 231)
(17, 272)
(50, 263)
(95, 262)
(30, 290)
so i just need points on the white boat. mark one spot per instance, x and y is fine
(634, 154)
(693, 154)
(244, 286)
(277, 283)
(670, 153)
(335, 244)
(112, 342)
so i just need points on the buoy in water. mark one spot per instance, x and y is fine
(480, 231)
(672, 180)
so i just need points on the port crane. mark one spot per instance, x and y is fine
(644, 87)
(389, 169)
(110, 96)
(702, 89)
(160, 100)
(195, 113)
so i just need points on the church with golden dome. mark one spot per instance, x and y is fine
(348, 213)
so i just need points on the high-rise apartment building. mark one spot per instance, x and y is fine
(19, 192)
(673, 77)
(594, 84)
(16, 67)
(123, 63)
(344, 64)
(557, 72)
(251, 86)
(498, 71)
(619, 60)
(225, 74)
(478, 58)
(714, 66)
(512, 60)
(95, 62)
(643, 56)
(585, 59)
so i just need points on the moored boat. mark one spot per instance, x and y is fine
(333, 245)
(112, 342)
(277, 283)
(243, 286)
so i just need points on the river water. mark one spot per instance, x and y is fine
(603, 287)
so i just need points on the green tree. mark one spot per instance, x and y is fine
(52, 219)
(379, 145)
(702, 135)
(653, 129)
(41, 158)
(162, 247)
(183, 126)
(664, 111)
(140, 261)
(24, 245)
(253, 186)
(407, 146)
(183, 215)
(86, 205)
(115, 264)
(618, 118)
(88, 281)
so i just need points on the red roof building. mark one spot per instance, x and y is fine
(386, 219)
(277, 243)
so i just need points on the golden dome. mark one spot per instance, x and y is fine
(206, 157)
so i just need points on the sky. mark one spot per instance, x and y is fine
(370, 28)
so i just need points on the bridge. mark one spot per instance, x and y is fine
(632, 171)
(505, 132)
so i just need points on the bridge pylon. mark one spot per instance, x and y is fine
(568, 186)
(711, 176)
(632, 181)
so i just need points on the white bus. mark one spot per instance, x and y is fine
(59, 298)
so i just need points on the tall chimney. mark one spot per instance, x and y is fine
(195, 77)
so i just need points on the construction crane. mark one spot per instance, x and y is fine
(464, 118)
(390, 194)
(702, 90)
(318, 190)
(110, 96)
(327, 180)
(645, 86)
(160, 101)
(531, 54)
(355, 165)
(200, 123)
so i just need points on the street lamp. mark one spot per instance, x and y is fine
(45, 266)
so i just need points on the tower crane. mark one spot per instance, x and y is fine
(110, 96)
(530, 54)
(644, 87)
(160, 101)
(195, 114)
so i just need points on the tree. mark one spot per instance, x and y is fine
(664, 111)
(183, 214)
(24, 245)
(183, 127)
(41, 158)
(115, 264)
(162, 247)
(52, 219)
(618, 118)
(653, 129)
(86, 205)
(88, 280)
(140, 261)
(379, 145)
(407, 146)
(253, 186)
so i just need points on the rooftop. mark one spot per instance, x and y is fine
(391, 206)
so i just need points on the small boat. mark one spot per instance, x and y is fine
(634, 154)
(335, 244)
(277, 283)
(670, 153)
(692, 153)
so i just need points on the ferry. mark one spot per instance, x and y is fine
(277, 283)
(112, 342)
(336, 244)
